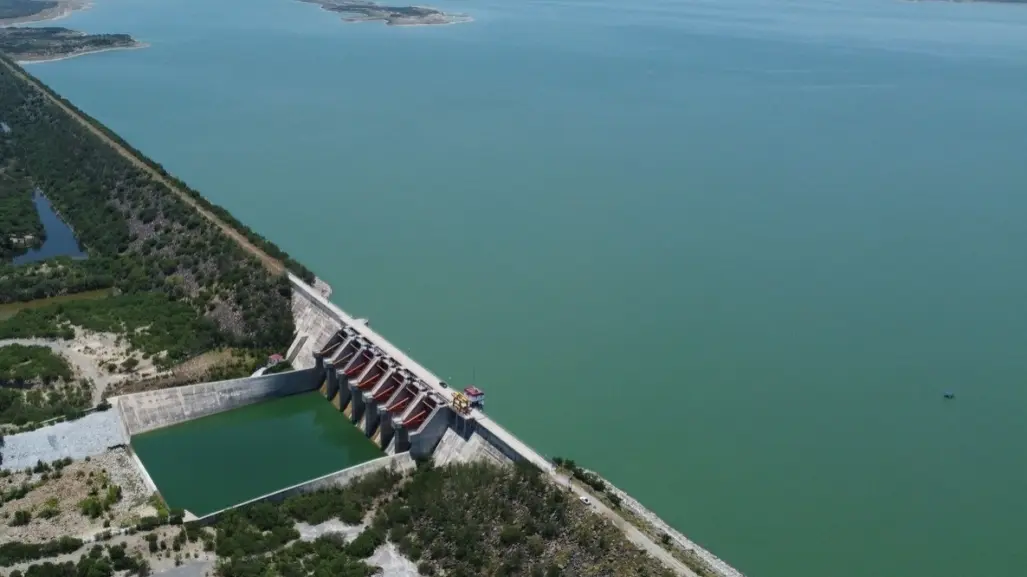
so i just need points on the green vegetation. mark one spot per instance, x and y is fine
(51, 508)
(169, 330)
(262, 527)
(20, 365)
(95, 504)
(99, 562)
(18, 552)
(249, 541)
(55, 278)
(142, 239)
(463, 520)
(21, 517)
(39, 42)
(19, 406)
(16, 492)
(267, 246)
(20, 226)
(243, 363)
(480, 519)
(595, 482)
(8, 310)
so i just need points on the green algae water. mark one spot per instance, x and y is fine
(217, 461)
(729, 253)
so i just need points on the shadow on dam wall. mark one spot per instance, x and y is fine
(150, 410)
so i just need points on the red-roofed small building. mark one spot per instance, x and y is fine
(475, 395)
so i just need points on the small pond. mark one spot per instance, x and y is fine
(60, 240)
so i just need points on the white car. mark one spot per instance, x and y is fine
(585, 500)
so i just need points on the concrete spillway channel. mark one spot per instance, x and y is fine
(213, 445)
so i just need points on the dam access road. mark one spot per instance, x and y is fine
(377, 346)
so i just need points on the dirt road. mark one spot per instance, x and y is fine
(640, 539)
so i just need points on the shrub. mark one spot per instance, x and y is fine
(21, 517)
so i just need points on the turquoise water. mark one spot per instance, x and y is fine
(728, 253)
(60, 239)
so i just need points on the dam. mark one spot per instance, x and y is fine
(351, 398)
(393, 413)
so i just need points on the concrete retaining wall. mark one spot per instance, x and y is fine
(400, 463)
(141, 412)
(313, 321)
(423, 442)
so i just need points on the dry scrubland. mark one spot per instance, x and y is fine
(56, 498)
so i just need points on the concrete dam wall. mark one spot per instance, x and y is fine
(141, 412)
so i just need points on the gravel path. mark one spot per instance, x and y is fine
(387, 557)
(312, 532)
(393, 564)
(191, 569)
(91, 435)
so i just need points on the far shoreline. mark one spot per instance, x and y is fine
(23, 62)
(358, 17)
(63, 9)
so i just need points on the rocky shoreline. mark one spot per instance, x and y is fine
(710, 563)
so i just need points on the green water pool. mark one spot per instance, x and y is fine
(214, 462)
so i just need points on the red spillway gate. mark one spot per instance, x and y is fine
(399, 405)
(352, 371)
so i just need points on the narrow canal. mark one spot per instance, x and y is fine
(224, 459)
(60, 239)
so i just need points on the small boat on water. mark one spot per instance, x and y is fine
(950, 395)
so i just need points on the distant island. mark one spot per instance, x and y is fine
(50, 43)
(34, 44)
(362, 11)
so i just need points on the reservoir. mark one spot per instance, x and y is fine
(730, 254)
(221, 460)
(60, 239)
